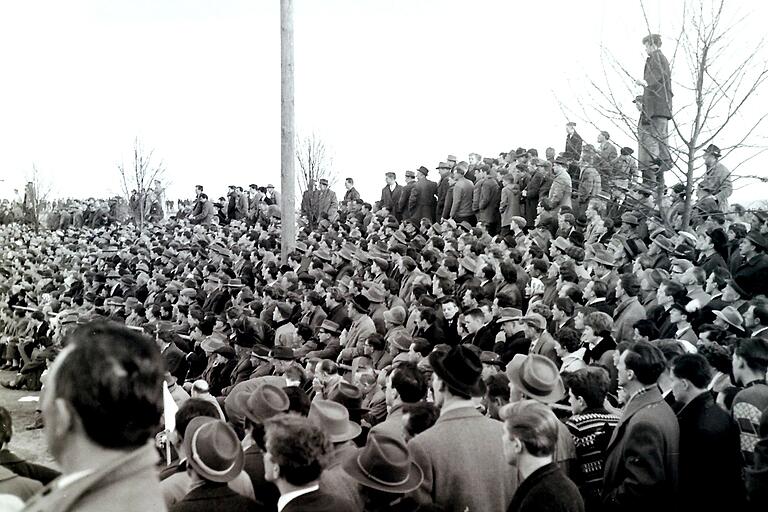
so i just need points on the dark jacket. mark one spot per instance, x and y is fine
(442, 193)
(547, 488)
(488, 202)
(657, 96)
(21, 467)
(266, 492)
(403, 204)
(641, 466)
(390, 198)
(423, 200)
(750, 275)
(710, 460)
(573, 144)
(318, 501)
(461, 204)
(215, 496)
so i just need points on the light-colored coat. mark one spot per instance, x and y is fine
(625, 316)
(463, 462)
(128, 484)
(560, 192)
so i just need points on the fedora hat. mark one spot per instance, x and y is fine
(536, 376)
(385, 464)
(213, 342)
(508, 315)
(758, 239)
(348, 395)
(396, 315)
(489, 357)
(664, 243)
(459, 368)
(561, 243)
(712, 150)
(361, 303)
(333, 419)
(536, 320)
(213, 449)
(375, 294)
(603, 257)
(330, 326)
(283, 353)
(401, 339)
(731, 316)
(266, 401)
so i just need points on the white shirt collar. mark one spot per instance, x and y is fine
(286, 498)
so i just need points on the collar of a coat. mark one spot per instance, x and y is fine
(123, 467)
(459, 413)
(645, 399)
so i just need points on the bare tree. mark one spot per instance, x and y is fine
(314, 164)
(716, 74)
(36, 194)
(138, 181)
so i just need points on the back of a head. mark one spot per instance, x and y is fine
(298, 447)
(693, 367)
(419, 417)
(534, 424)
(754, 352)
(112, 378)
(647, 361)
(193, 408)
(409, 383)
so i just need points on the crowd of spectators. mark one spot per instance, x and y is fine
(524, 334)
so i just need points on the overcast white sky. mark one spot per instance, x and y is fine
(388, 85)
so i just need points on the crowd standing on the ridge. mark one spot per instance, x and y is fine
(524, 333)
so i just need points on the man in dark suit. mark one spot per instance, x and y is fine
(641, 467)
(573, 142)
(749, 275)
(175, 360)
(442, 188)
(390, 194)
(403, 210)
(530, 438)
(710, 460)
(295, 448)
(423, 199)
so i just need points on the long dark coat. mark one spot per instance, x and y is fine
(657, 96)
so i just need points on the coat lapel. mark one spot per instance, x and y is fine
(639, 402)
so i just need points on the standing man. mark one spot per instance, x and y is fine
(351, 195)
(423, 197)
(561, 189)
(444, 168)
(461, 205)
(606, 157)
(488, 201)
(573, 142)
(716, 181)
(533, 189)
(403, 204)
(530, 437)
(645, 145)
(641, 466)
(657, 97)
(390, 194)
(327, 204)
(460, 454)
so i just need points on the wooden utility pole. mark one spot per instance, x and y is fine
(287, 153)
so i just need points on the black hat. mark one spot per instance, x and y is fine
(627, 151)
(758, 239)
(562, 159)
(712, 150)
(423, 170)
(459, 368)
(361, 303)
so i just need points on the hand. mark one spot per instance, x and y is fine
(641, 83)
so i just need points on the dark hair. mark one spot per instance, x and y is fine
(717, 356)
(599, 288)
(590, 383)
(297, 447)
(754, 351)
(693, 367)
(647, 328)
(113, 379)
(409, 382)
(376, 341)
(298, 400)
(421, 416)
(569, 339)
(508, 271)
(630, 284)
(565, 305)
(193, 408)
(429, 315)
(646, 360)
(497, 386)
